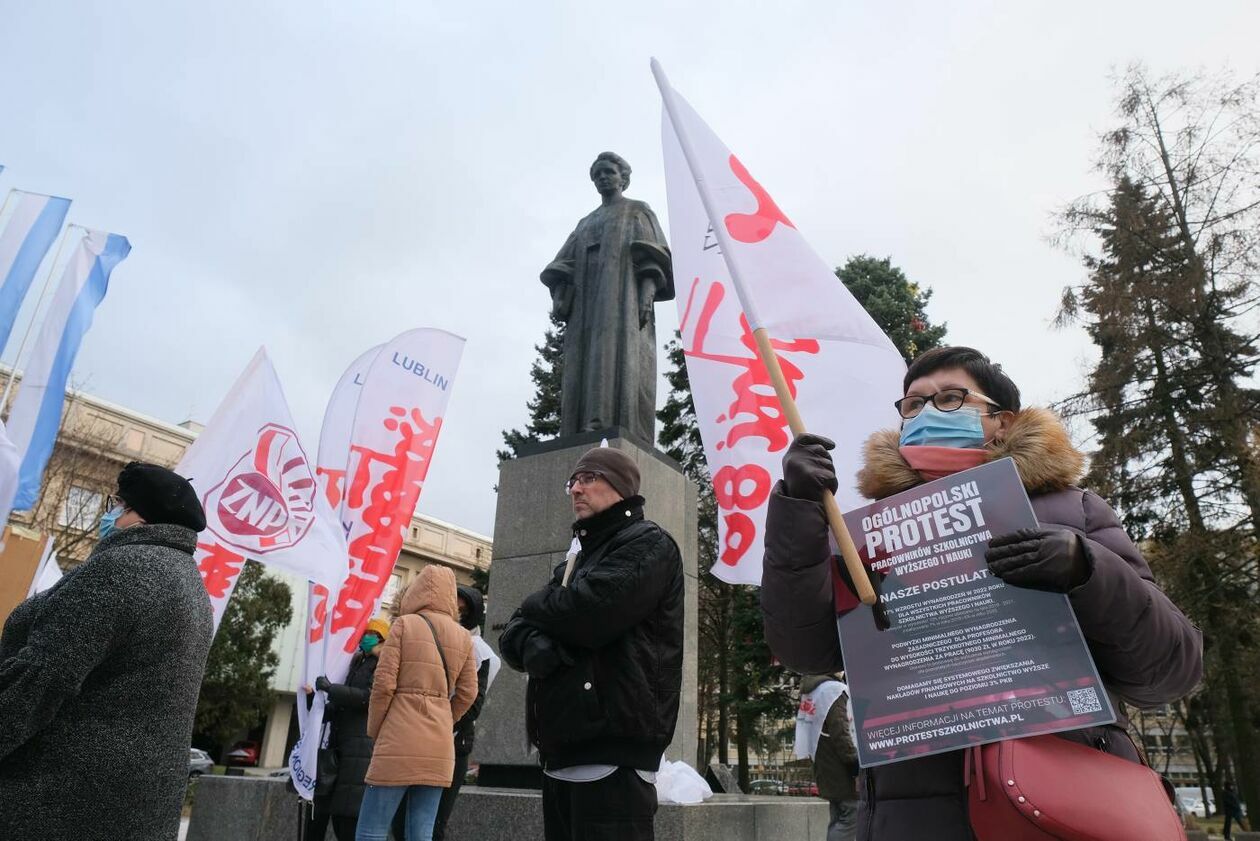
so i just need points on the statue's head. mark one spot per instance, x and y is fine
(610, 173)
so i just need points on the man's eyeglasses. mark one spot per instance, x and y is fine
(584, 478)
(945, 400)
(114, 501)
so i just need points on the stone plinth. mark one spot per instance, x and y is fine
(263, 809)
(722, 779)
(532, 532)
(243, 809)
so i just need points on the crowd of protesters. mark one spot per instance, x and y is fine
(99, 675)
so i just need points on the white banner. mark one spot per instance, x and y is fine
(842, 369)
(259, 492)
(330, 472)
(402, 401)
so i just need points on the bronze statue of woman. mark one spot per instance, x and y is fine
(613, 267)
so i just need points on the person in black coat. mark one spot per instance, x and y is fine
(347, 712)
(1231, 808)
(99, 676)
(603, 649)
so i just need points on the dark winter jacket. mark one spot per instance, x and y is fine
(835, 758)
(99, 679)
(348, 711)
(466, 727)
(1146, 651)
(620, 626)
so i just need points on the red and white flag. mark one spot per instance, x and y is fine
(402, 400)
(330, 472)
(740, 264)
(258, 490)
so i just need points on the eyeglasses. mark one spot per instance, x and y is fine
(584, 478)
(114, 501)
(945, 400)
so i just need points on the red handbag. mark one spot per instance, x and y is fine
(1044, 787)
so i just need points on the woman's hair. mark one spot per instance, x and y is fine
(618, 162)
(988, 375)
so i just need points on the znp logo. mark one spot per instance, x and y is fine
(266, 502)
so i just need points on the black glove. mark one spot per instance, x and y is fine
(807, 469)
(542, 655)
(878, 611)
(322, 683)
(1039, 559)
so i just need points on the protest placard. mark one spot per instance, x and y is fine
(968, 659)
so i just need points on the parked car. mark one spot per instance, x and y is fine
(242, 753)
(803, 789)
(1191, 799)
(199, 762)
(767, 787)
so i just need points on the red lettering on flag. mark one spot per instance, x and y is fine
(390, 502)
(758, 225)
(754, 394)
(319, 613)
(741, 532)
(332, 485)
(219, 568)
(755, 412)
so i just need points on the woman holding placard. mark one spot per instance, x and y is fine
(959, 411)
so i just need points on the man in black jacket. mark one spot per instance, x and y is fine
(604, 654)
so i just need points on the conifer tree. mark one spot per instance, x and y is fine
(896, 304)
(236, 689)
(1169, 301)
(547, 373)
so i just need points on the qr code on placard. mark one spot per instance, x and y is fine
(1084, 701)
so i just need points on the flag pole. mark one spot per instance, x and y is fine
(17, 358)
(765, 350)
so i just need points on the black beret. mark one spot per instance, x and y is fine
(160, 496)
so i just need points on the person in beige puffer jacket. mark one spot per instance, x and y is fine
(414, 705)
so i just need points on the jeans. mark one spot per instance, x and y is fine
(619, 807)
(444, 808)
(380, 803)
(843, 826)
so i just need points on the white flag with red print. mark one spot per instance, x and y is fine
(376, 480)
(740, 264)
(259, 492)
(330, 472)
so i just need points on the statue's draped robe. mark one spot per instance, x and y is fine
(609, 360)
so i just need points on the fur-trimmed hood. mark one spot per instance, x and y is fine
(1037, 441)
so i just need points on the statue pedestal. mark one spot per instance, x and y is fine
(263, 809)
(532, 532)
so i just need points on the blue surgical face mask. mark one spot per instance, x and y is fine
(960, 428)
(109, 522)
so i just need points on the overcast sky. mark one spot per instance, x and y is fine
(318, 176)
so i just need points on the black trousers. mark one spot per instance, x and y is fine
(318, 819)
(620, 807)
(448, 798)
